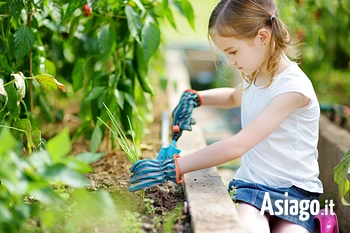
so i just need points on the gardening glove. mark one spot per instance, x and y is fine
(182, 113)
(150, 172)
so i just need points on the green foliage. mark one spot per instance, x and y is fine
(14, 92)
(341, 173)
(24, 39)
(171, 217)
(325, 50)
(36, 186)
(131, 149)
(149, 206)
(232, 193)
(132, 222)
(99, 49)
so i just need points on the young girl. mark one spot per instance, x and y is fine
(280, 117)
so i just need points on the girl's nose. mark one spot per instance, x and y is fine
(231, 62)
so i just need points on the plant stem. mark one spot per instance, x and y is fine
(12, 81)
(31, 95)
(4, 38)
(14, 128)
(25, 107)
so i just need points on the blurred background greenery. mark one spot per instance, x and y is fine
(113, 52)
(322, 27)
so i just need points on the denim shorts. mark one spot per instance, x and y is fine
(259, 196)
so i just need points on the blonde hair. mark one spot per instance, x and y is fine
(243, 19)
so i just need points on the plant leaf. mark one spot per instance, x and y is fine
(7, 142)
(345, 202)
(104, 205)
(36, 136)
(89, 157)
(49, 66)
(45, 195)
(59, 146)
(139, 4)
(5, 214)
(130, 99)
(15, 7)
(4, 64)
(107, 38)
(134, 22)
(185, 8)
(96, 92)
(78, 74)
(73, 5)
(120, 98)
(188, 12)
(96, 138)
(12, 101)
(73, 28)
(39, 160)
(24, 124)
(341, 175)
(49, 83)
(170, 17)
(61, 173)
(79, 166)
(24, 40)
(150, 38)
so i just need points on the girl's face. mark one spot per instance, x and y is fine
(246, 56)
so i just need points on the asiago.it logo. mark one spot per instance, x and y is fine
(295, 207)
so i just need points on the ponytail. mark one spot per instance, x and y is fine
(243, 19)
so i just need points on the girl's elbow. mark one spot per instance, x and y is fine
(239, 148)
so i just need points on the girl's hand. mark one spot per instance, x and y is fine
(150, 172)
(182, 113)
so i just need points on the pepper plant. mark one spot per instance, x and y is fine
(101, 50)
(12, 94)
(121, 37)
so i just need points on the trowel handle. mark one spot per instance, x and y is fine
(176, 132)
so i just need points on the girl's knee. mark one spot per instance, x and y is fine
(283, 226)
(251, 220)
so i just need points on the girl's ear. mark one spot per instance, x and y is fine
(264, 36)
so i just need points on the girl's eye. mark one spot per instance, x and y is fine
(232, 52)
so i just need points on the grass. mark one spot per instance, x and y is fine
(130, 149)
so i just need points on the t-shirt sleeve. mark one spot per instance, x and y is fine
(294, 82)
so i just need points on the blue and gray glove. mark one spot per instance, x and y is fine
(150, 172)
(182, 113)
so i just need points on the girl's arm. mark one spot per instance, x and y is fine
(279, 108)
(222, 97)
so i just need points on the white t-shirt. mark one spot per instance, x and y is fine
(288, 156)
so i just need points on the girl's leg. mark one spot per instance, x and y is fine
(251, 220)
(283, 226)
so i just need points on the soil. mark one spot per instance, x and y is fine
(112, 173)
